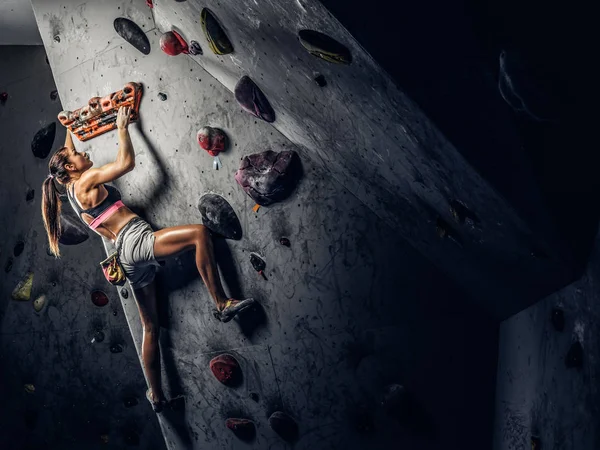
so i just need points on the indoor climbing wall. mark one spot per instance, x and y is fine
(350, 333)
(69, 373)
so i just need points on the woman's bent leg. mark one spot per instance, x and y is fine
(174, 240)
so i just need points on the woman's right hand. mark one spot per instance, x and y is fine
(123, 117)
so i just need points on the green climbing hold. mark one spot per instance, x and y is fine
(324, 47)
(217, 39)
(39, 303)
(22, 292)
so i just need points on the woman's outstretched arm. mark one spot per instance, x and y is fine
(123, 163)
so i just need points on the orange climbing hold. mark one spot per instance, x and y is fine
(100, 114)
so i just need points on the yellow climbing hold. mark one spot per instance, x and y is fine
(38, 303)
(22, 292)
(29, 388)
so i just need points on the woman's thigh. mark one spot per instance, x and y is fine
(174, 240)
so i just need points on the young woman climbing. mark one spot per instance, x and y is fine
(99, 205)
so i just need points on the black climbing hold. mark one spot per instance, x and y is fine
(43, 141)
(325, 47)
(3, 97)
(98, 336)
(257, 262)
(558, 319)
(56, 38)
(285, 241)
(195, 48)
(9, 264)
(99, 298)
(269, 177)
(115, 312)
(116, 348)
(284, 426)
(130, 401)
(53, 95)
(217, 39)
(219, 217)
(254, 396)
(124, 293)
(133, 34)
(320, 80)
(18, 249)
(244, 429)
(162, 96)
(574, 358)
(30, 195)
(252, 99)
(72, 231)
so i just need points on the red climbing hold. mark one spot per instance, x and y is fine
(226, 369)
(149, 3)
(212, 140)
(242, 428)
(173, 44)
(99, 298)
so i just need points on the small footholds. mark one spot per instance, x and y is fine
(124, 293)
(3, 97)
(30, 195)
(162, 96)
(558, 319)
(195, 48)
(285, 241)
(254, 396)
(116, 348)
(321, 81)
(57, 38)
(29, 388)
(53, 95)
(258, 264)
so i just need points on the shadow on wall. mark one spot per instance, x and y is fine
(449, 64)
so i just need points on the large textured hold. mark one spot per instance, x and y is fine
(218, 216)
(324, 47)
(22, 291)
(72, 231)
(133, 34)
(242, 428)
(212, 140)
(252, 99)
(284, 426)
(173, 44)
(226, 369)
(42, 143)
(269, 177)
(217, 39)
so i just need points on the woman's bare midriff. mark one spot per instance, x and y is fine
(110, 227)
